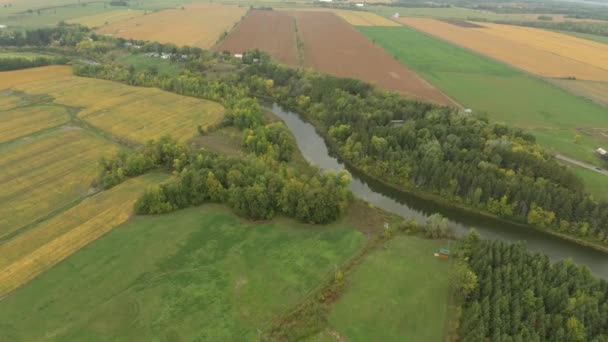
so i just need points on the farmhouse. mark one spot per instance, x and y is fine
(3, 26)
(602, 153)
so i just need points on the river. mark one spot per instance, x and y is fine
(315, 151)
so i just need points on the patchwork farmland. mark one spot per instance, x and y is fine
(43, 174)
(105, 18)
(594, 91)
(506, 94)
(130, 113)
(270, 31)
(40, 248)
(346, 53)
(199, 25)
(536, 51)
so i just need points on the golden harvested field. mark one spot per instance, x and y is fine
(43, 174)
(594, 91)
(22, 121)
(31, 253)
(132, 113)
(541, 52)
(198, 25)
(9, 79)
(101, 19)
(355, 18)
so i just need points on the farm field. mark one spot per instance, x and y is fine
(40, 248)
(412, 306)
(22, 121)
(505, 94)
(198, 24)
(594, 91)
(12, 79)
(45, 173)
(539, 52)
(102, 19)
(132, 113)
(28, 55)
(593, 37)
(17, 17)
(211, 276)
(464, 14)
(270, 31)
(347, 53)
(355, 18)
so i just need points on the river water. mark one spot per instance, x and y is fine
(315, 151)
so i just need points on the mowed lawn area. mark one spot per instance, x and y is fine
(502, 92)
(399, 293)
(197, 274)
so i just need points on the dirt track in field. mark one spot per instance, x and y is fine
(333, 46)
(270, 31)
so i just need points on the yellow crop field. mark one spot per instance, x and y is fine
(355, 18)
(132, 113)
(547, 54)
(40, 175)
(101, 19)
(360, 18)
(31, 253)
(594, 91)
(19, 122)
(9, 79)
(197, 24)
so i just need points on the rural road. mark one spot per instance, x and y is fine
(582, 164)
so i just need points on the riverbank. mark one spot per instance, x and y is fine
(438, 199)
(419, 205)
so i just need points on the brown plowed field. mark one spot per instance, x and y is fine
(270, 31)
(197, 25)
(333, 46)
(545, 53)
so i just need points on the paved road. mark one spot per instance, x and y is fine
(582, 164)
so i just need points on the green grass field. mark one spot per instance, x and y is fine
(198, 274)
(163, 66)
(598, 183)
(399, 293)
(502, 92)
(18, 54)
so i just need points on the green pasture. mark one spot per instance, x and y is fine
(398, 293)
(163, 66)
(503, 93)
(597, 183)
(200, 274)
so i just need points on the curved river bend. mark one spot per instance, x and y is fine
(315, 150)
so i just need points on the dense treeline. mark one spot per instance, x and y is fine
(464, 158)
(16, 63)
(258, 188)
(521, 296)
(416, 146)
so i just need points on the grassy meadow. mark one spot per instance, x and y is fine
(398, 293)
(502, 92)
(196, 274)
(163, 66)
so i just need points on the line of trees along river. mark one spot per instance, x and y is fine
(315, 151)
